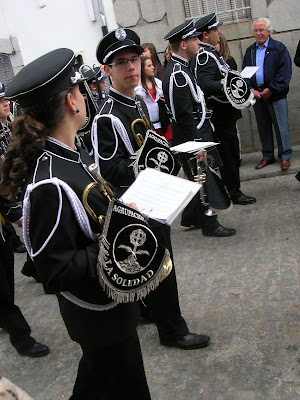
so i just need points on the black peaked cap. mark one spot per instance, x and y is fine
(43, 78)
(208, 22)
(183, 31)
(116, 40)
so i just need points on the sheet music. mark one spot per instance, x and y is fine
(248, 72)
(159, 195)
(192, 146)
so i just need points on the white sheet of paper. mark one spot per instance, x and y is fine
(248, 72)
(159, 195)
(192, 146)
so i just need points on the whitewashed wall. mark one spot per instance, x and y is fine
(60, 23)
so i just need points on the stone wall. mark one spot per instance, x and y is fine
(153, 19)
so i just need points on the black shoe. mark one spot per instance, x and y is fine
(298, 176)
(19, 247)
(220, 231)
(244, 200)
(190, 341)
(35, 350)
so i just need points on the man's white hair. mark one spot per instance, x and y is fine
(266, 20)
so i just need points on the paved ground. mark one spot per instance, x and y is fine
(243, 291)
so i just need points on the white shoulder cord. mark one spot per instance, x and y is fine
(222, 68)
(118, 128)
(82, 219)
(79, 211)
(198, 95)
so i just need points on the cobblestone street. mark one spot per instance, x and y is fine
(243, 291)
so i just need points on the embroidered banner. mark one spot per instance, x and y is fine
(131, 262)
(155, 153)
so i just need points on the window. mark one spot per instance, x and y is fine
(228, 11)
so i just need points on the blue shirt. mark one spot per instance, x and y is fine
(260, 56)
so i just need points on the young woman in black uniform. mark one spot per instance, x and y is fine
(59, 238)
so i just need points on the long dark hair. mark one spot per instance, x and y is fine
(224, 48)
(154, 57)
(150, 78)
(28, 137)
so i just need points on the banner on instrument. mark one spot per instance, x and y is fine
(155, 153)
(131, 262)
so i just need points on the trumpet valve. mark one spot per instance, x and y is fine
(101, 219)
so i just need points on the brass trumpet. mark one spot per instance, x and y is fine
(106, 191)
(201, 178)
(144, 120)
(138, 136)
(103, 188)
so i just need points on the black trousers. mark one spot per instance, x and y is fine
(112, 373)
(194, 212)
(15, 239)
(11, 317)
(162, 304)
(226, 134)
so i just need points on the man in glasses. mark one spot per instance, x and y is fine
(114, 144)
(270, 86)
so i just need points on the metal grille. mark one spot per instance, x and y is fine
(6, 71)
(228, 10)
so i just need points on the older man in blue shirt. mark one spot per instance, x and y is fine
(270, 86)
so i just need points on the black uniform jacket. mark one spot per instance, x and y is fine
(209, 79)
(115, 159)
(68, 261)
(187, 110)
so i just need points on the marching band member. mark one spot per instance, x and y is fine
(11, 318)
(114, 145)
(211, 71)
(92, 90)
(9, 205)
(190, 117)
(60, 237)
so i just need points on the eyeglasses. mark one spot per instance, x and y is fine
(124, 61)
(259, 30)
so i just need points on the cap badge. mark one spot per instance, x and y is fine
(120, 34)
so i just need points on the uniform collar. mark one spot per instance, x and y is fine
(181, 60)
(207, 46)
(61, 150)
(120, 97)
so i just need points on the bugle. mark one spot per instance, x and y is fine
(144, 120)
(201, 178)
(103, 188)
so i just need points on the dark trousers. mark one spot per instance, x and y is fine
(111, 373)
(273, 113)
(11, 317)
(226, 134)
(10, 229)
(162, 304)
(194, 212)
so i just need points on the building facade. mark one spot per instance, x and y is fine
(152, 19)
